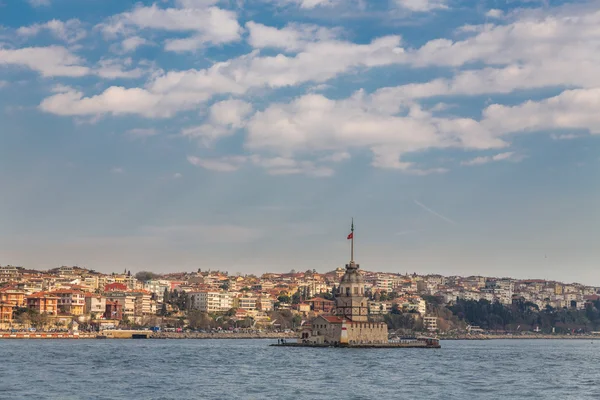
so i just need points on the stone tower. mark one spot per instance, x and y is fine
(350, 300)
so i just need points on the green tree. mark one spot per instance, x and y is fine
(145, 276)
(284, 299)
(163, 309)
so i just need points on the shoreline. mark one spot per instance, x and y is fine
(523, 337)
(116, 334)
(149, 335)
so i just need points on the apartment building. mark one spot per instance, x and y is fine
(126, 301)
(70, 302)
(212, 301)
(13, 296)
(95, 304)
(43, 303)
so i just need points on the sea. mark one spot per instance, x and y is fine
(251, 369)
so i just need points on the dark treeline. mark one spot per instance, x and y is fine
(523, 315)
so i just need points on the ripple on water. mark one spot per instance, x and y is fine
(250, 369)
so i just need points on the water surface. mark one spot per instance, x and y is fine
(250, 369)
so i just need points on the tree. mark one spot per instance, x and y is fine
(198, 320)
(284, 299)
(145, 276)
(163, 309)
(297, 297)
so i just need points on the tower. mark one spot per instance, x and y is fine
(351, 301)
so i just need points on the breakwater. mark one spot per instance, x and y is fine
(129, 334)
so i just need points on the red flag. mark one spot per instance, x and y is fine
(351, 235)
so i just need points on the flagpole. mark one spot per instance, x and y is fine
(352, 244)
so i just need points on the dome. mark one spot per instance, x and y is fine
(352, 276)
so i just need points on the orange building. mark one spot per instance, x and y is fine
(13, 296)
(43, 302)
(6, 313)
(70, 301)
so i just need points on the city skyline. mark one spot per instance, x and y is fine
(244, 136)
(174, 273)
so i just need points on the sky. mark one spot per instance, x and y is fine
(170, 135)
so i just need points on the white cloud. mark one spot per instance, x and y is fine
(230, 113)
(494, 13)
(3, 84)
(225, 117)
(487, 159)
(313, 123)
(225, 164)
(117, 68)
(70, 31)
(292, 37)
(308, 4)
(533, 38)
(49, 61)
(422, 5)
(115, 100)
(132, 43)
(184, 90)
(195, 3)
(572, 109)
(210, 25)
(177, 175)
(117, 170)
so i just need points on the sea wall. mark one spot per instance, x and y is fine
(123, 334)
(195, 335)
(520, 337)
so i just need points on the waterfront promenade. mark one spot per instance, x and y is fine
(128, 334)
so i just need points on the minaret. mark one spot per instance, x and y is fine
(351, 301)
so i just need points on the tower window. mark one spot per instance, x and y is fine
(355, 290)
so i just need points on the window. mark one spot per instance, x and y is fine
(355, 290)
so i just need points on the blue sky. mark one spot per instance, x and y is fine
(462, 136)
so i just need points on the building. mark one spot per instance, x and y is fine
(43, 303)
(127, 301)
(6, 314)
(430, 323)
(95, 304)
(144, 303)
(247, 302)
(350, 324)
(13, 296)
(212, 301)
(113, 310)
(321, 305)
(8, 272)
(70, 302)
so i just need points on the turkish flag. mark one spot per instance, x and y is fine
(350, 236)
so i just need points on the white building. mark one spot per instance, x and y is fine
(211, 301)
